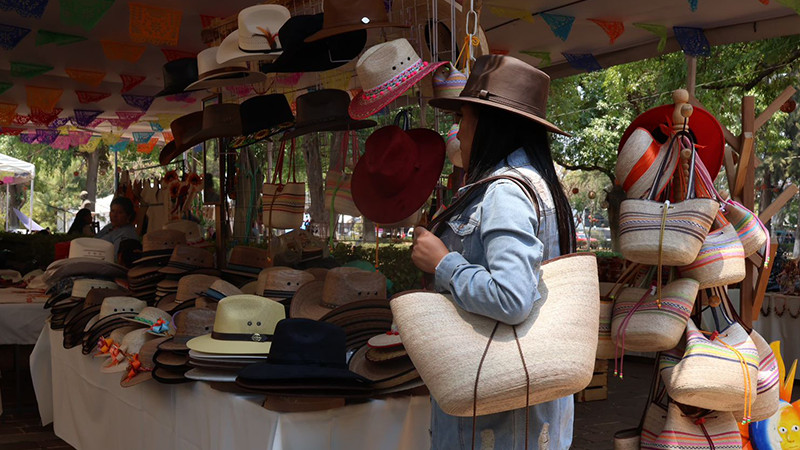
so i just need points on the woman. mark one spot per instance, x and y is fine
(487, 252)
(82, 224)
(121, 226)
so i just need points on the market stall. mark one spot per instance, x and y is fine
(13, 171)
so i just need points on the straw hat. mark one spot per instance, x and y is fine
(342, 285)
(454, 146)
(248, 261)
(384, 374)
(80, 288)
(189, 324)
(397, 173)
(143, 372)
(638, 162)
(158, 245)
(342, 16)
(114, 338)
(448, 81)
(385, 72)
(263, 116)
(220, 289)
(325, 110)
(506, 83)
(131, 344)
(185, 259)
(250, 287)
(192, 231)
(212, 74)
(86, 256)
(77, 319)
(116, 306)
(243, 324)
(169, 376)
(280, 282)
(257, 38)
(149, 316)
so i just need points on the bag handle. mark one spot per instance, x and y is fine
(671, 147)
(292, 163)
(277, 174)
(626, 277)
(403, 120)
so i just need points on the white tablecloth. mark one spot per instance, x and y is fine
(775, 323)
(91, 411)
(21, 316)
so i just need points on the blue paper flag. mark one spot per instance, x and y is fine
(121, 145)
(142, 137)
(560, 25)
(155, 126)
(583, 61)
(693, 41)
(693, 5)
(33, 9)
(10, 36)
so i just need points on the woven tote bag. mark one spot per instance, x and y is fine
(651, 423)
(768, 384)
(720, 261)
(714, 430)
(338, 197)
(654, 232)
(716, 374)
(605, 346)
(471, 361)
(642, 322)
(283, 203)
(654, 420)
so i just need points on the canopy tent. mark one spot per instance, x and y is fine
(15, 171)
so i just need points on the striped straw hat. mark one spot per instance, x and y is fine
(638, 162)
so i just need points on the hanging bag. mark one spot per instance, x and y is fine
(605, 344)
(651, 423)
(474, 365)
(283, 203)
(710, 431)
(720, 261)
(654, 233)
(338, 197)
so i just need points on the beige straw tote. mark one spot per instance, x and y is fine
(720, 261)
(473, 365)
(605, 346)
(653, 232)
(713, 430)
(718, 374)
(654, 420)
(768, 384)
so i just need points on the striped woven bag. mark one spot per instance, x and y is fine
(605, 346)
(283, 203)
(720, 261)
(714, 430)
(768, 384)
(654, 232)
(337, 184)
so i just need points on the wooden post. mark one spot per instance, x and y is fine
(691, 74)
(221, 219)
(745, 180)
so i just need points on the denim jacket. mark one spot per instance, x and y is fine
(497, 244)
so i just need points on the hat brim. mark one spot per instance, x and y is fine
(207, 344)
(338, 124)
(383, 209)
(319, 56)
(246, 358)
(176, 344)
(454, 104)
(307, 301)
(228, 79)
(705, 127)
(382, 374)
(223, 376)
(258, 136)
(156, 257)
(230, 53)
(361, 107)
(333, 31)
(167, 376)
(171, 150)
(170, 360)
(270, 372)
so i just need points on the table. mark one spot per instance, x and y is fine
(21, 316)
(779, 320)
(90, 410)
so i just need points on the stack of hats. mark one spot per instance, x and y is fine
(88, 257)
(155, 321)
(79, 316)
(112, 315)
(245, 263)
(157, 246)
(281, 283)
(185, 260)
(218, 290)
(308, 359)
(61, 303)
(108, 346)
(349, 297)
(385, 362)
(242, 334)
(191, 230)
(141, 364)
(190, 288)
(171, 360)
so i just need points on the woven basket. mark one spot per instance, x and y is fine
(627, 439)
(654, 420)
(685, 229)
(651, 328)
(720, 261)
(715, 430)
(750, 231)
(709, 375)
(605, 346)
(558, 340)
(768, 384)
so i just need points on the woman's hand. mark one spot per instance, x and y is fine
(427, 250)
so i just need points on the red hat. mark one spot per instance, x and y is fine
(397, 173)
(702, 124)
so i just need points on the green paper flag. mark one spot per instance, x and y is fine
(28, 70)
(84, 13)
(44, 37)
(4, 86)
(794, 4)
(658, 30)
(543, 56)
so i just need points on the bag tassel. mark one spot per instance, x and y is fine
(621, 333)
(701, 423)
(746, 415)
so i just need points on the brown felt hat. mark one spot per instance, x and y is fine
(506, 83)
(325, 110)
(189, 323)
(248, 261)
(343, 16)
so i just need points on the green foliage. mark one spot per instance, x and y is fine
(395, 263)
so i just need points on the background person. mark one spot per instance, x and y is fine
(121, 225)
(82, 224)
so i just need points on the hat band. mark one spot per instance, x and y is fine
(239, 268)
(180, 265)
(278, 293)
(244, 337)
(484, 94)
(396, 80)
(221, 70)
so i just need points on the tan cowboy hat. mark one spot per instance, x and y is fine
(212, 74)
(342, 285)
(257, 38)
(157, 245)
(247, 261)
(243, 325)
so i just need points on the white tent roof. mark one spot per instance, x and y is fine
(18, 167)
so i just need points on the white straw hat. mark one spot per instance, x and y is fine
(257, 37)
(212, 74)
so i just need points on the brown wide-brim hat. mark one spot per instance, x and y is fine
(344, 16)
(169, 376)
(383, 374)
(506, 83)
(184, 130)
(325, 110)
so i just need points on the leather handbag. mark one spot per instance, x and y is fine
(474, 365)
(338, 197)
(283, 203)
(657, 232)
(720, 261)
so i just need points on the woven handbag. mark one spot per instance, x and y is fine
(605, 346)
(654, 232)
(768, 385)
(710, 431)
(651, 423)
(283, 203)
(720, 261)
(338, 197)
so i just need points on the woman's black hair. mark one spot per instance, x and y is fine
(82, 218)
(127, 205)
(499, 133)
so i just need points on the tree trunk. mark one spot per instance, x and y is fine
(317, 209)
(369, 230)
(614, 199)
(796, 249)
(335, 162)
(92, 165)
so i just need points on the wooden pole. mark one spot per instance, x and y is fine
(747, 195)
(221, 219)
(691, 74)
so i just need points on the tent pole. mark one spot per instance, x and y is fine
(30, 217)
(7, 206)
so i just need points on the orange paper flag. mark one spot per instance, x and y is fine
(43, 98)
(8, 111)
(613, 29)
(123, 51)
(154, 25)
(90, 77)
